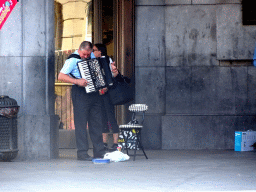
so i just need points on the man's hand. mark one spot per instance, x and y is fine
(103, 91)
(66, 78)
(81, 82)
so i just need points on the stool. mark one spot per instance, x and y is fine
(134, 126)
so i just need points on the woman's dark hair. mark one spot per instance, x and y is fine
(102, 48)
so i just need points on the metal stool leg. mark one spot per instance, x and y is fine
(136, 143)
(140, 144)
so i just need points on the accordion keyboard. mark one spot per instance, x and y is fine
(91, 71)
(86, 75)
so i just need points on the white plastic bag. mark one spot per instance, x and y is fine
(116, 156)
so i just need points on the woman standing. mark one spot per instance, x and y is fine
(109, 120)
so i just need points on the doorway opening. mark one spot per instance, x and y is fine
(74, 23)
(99, 21)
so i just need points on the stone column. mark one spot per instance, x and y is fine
(150, 67)
(27, 59)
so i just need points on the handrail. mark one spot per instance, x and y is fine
(63, 84)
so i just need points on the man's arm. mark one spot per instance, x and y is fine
(67, 79)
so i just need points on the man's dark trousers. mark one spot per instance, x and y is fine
(87, 108)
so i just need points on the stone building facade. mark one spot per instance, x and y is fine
(192, 67)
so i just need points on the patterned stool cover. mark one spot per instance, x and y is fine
(130, 133)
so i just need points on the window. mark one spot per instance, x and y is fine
(73, 23)
(248, 10)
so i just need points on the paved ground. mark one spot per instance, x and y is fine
(165, 170)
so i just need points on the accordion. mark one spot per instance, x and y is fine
(97, 72)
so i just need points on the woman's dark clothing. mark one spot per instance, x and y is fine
(108, 109)
(109, 119)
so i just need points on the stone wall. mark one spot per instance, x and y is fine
(27, 75)
(192, 64)
(194, 70)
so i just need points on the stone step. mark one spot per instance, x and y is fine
(67, 139)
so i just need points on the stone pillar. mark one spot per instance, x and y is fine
(150, 67)
(27, 59)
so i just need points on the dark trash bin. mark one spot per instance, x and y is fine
(8, 128)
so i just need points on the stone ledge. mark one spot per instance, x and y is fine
(67, 139)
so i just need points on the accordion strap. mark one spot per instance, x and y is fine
(73, 56)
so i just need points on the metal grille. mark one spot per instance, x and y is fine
(5, 133)
(14, 133)
(8, 133)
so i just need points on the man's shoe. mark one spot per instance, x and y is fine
(106, 147)
(99, 157)
(113, 148)
(84, 157)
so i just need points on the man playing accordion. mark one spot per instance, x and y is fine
(87, 107)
